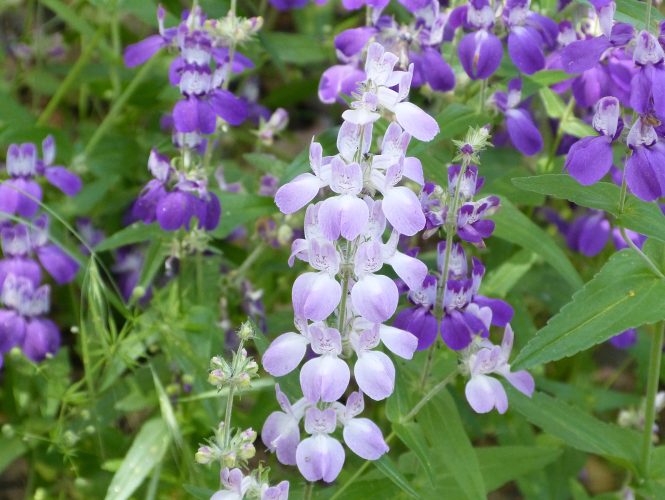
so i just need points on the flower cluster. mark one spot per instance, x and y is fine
(207, 58)
(233, 449)
(27, 250)
(418, 42)
(591, 158)
(449, 303)
(344, 243)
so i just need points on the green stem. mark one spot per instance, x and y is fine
(227, 417)
(652, 388)
(199, 276)
(414, 411)
(69, 80)
(481, 102)
(559, 134)
(118, 105)
(309, 490)
(249, 261)
(451, 227)
(429, 396)
(649, 6)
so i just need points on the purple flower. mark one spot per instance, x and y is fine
(281, 430)
(589, 233)
(22, 321)
(590, 158)
(172, 199)
(484, 392)
(523, 133)
(624, 340)
(647, 85)
(320, 456)
(21, 194)
(643, 170)
(524, 41)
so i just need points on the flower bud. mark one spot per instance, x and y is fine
(204, 455)
(246, 332)
(217, 377)
(248, 435)
(229, 459)
(246, 451)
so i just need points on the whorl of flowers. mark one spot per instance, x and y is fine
(27, 249)
(341, 307)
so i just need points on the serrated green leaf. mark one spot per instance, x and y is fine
(577, 428)
(624, 294)
(515, 227)
(146, 451)
(389, 469)
(450, 443)
(640, 216)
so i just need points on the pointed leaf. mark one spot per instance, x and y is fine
(515, 227)
(624, 294)
(386, 465)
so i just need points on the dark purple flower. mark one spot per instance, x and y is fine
(590, 158)
(523, 133)
(644, 171)
(624, 340)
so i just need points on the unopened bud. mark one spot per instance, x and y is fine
(229, 459)
(216, 377)
(246, 332)
(204, 455)
(246, 451)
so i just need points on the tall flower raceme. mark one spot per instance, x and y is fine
(342, 305)
(207, 58)
(418, 42)
(449, 303)
(233, 448)
(27, 251)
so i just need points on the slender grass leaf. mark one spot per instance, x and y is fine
(624, 294)
(640, 216)
(166, 409)
(146, 451)
(134, 233)
(577, 428)
(389, 469)
(443, 425)
(515, 227)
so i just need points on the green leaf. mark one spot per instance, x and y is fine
(554, 105)
(543, 78)
(624, 294)
(10, 450)
(294, 48)
(239, 209)
(578, 429)
(501, 464)
(640, 216)
(134, 233)
(166, 408)
(500, 281)
(515, 227)
(412, 436)
(450, 443)
(146, 451)
(388, 468)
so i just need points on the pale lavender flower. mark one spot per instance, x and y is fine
(484, 359)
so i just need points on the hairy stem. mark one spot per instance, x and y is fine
(652, 388)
